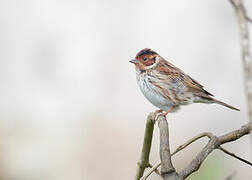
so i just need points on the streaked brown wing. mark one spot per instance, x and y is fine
(175, 73)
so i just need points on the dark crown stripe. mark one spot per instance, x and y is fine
(145, 51)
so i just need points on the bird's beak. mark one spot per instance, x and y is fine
(134, 61)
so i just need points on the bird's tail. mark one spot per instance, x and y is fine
(224, 104)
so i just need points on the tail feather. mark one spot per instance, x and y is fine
(224, 104)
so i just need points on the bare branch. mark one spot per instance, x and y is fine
(153, 169)
(167, 169)
(248, 19)
(214, 143)
(243, 20)
(196, 162)
(234, 135)
(238, 4)
(195, 138)
(144, 160)
(181, 147)
(156, 171)
(235, 156)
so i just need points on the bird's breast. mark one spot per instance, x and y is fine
(151, 93)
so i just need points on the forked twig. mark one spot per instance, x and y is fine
(181, 147)
(214, 143)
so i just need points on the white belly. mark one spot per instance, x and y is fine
(149, 92)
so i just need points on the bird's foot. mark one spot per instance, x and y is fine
(158, 111)
(161, 113)
(156, 114)
(165, 113)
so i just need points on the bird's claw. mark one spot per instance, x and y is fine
(160, 113)
(156, 114)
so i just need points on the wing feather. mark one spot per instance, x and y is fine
(173, 73)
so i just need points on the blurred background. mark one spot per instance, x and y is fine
(70, 107)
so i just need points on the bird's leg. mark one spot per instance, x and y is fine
(158, 111)
(170, 110)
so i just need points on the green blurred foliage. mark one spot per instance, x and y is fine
(213, 168)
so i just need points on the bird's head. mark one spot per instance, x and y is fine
(145, 59)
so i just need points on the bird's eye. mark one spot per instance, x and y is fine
(145, 58)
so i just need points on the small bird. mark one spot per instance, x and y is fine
(166, 86)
